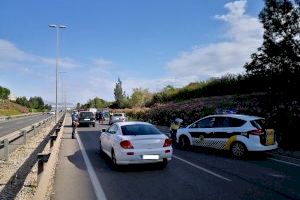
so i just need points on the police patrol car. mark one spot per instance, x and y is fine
(237, 133)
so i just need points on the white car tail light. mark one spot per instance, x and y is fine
(126, 144)
(168, 142)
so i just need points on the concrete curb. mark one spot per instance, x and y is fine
(45, 183)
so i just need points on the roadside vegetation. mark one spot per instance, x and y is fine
(21, 105)
(8, 108)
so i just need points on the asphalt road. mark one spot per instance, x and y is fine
(10, 126)
(194, 174)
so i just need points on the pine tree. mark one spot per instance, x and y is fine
(119, 94)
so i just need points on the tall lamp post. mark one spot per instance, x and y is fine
(57, 27)
(62, 90)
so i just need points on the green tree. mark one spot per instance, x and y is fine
(94, 103)
(278, 59)
(47, 107)
(22, 101)
(36, 103)
(78, 106)
(100, 103)
(140, 97)
(120, 96)
(4, 93)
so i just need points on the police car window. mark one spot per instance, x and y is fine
(236, 122)
(259, 124)
(221, 122)
(205, 123)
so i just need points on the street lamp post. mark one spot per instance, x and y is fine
(57, 27)
(62, 89)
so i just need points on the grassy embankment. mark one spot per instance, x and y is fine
(8, 108)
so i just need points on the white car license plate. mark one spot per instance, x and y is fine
(86, 119)
(150, 157)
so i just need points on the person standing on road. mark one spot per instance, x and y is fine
(100, 115)
(75, 123)
(174, 127)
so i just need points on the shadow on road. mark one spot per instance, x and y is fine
(251, 156)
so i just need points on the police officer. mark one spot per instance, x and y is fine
(175, 125)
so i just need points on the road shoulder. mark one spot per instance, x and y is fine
(71, 179)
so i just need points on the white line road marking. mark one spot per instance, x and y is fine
(285, 162)
(95, 182)
(202, 168)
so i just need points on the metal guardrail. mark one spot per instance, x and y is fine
(47, 162)
(20, 137)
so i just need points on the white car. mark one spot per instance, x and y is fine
(117, 117)
(51, 112)
(135, 143)
(237, 133)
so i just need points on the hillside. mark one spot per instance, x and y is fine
(8, 108)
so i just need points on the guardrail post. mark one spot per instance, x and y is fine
(24, 133)
(57, 129)
(5, 149)
(42, 158)
(33, 130)
(52, 139)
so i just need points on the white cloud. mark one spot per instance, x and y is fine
(13, 57)
(243, 37)
(101, 63)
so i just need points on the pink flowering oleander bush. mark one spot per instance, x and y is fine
(284, 117)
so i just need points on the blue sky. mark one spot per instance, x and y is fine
(148, 44)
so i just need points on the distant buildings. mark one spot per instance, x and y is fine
(12, 97)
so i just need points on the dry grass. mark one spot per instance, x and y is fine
(8, 108)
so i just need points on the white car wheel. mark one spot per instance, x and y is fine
(113, 159)
(163, 164)
(100, 149)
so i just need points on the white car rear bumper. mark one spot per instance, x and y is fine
(253, 144)
(137, 158)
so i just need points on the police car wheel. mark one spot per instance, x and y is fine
(184, 142)
(238, 149)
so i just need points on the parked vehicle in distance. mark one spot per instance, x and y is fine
(51, 113)
(86, 118)
(106, 115)
(135, 143)
(237, 133)
(117, 117)
(93, 110)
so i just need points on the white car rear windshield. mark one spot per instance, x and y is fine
(118, 115)
(140, 129)
(86, 114)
